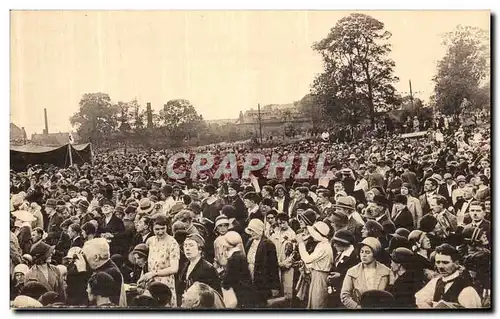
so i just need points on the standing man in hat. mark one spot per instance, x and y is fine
(251, 200)
(462, 204)
(234, 199)
(347, 205)
(54, 224)
(111, 227)
(430, 186)
(446, 189)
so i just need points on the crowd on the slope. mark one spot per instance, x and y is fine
(401, 223)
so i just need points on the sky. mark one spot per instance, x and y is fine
(223, 62)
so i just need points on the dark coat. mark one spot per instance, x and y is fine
(203, 272)
(76, 289)
(341, 267)
(54, 228)
(138, 240)
(355, 228)
(410, 178)
(460, 202)
(404, 289)
(403, 219)
(240, 211)
(117, 229)
(484, 225)
(111, 269)
(54, 223)
(77, 242)
(258, 215)
(24, 239)
(62, 245)
(266, 271)
(237, 276)
(286, 204)
(115, 226)
(443, 191)
(211, 211)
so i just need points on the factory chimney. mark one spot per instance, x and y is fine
(46, 131)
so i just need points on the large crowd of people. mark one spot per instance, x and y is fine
(398, 223)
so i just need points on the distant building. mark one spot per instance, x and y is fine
(54, 139)
(273, 118)
(16, 133)
(221, 122)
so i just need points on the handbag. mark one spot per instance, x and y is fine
(230, 299)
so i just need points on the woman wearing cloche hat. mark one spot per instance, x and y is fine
(319, 262)
(369, 274)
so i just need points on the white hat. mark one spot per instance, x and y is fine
(26, 302)
(221, 220)
(319, 231)
(73, 251)
(137, 170)
(255, 225)
(22, 268)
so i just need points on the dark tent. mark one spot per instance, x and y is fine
(22, 156)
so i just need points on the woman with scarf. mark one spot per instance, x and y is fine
(319, 262)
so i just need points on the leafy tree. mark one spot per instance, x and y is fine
(463, 71)
(96, 118)
(289, 130)
(180, 119)
(358, 73)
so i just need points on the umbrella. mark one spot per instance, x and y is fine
(24, 216)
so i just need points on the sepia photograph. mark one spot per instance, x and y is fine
(250, 160)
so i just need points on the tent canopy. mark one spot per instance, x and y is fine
(22, 156)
